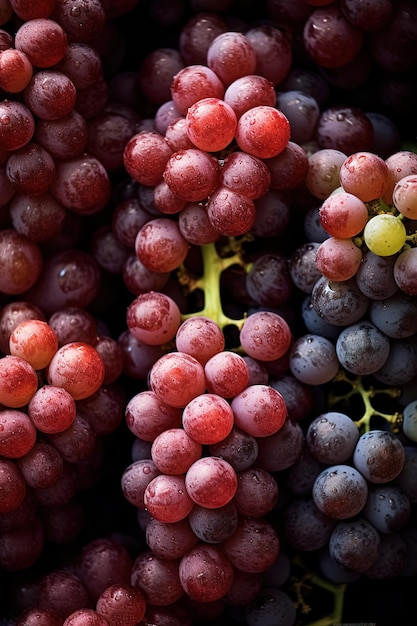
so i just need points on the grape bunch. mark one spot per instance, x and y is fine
(208, 312)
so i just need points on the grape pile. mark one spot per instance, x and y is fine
(208, 312)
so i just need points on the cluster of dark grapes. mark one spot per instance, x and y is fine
(208, 312)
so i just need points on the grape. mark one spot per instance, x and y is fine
(192, 174)
(207, 418)
(289, 168)
(81, 184)
(313, 359)
(103, 562)
(41, 617)
(18, 381)
(323, 171)
(401, 366)
(136, 478)
(245, 588)
(365, 175)
(394, 316)
(379, 456)
(78, 368)
(344, 128)
(157, 236)
(138, 357)
(231, 56)
(176, 378)
(83, 616)
(39, 218)
(153, 318)
(17, 125)
(238, 448)
(354, 545)
(288, 440)
(214, 525)
(333, 572)
(230, 212)
(405, 271)
(77, 442)
(73, 324)
(331, 437)
(259, 410)
(128, 218)
(170, 541)
(302, 266)
(13, 486)
(340, 491)
(16, 70)
(21, 262)
(205, 573)
(147, 416)
(157, 578)
(197, 34)
(339, 302)
(245, 174)
(367, 16)
(62, 491)
(305, 527)
(173, 451)
(263, 132)
(65, 137)
(167, 498)
(52, 409)
(41, 466)
(362, 348)
(50, 94)
(257, 493)
(200, 337)
(404, 195)
(194, 83)
(211, 124)
(268, 281)
(84, 24)
(387, 508)
(265, 336)
(121, 604)
(211, 482)
(226, 374)
(81, 63)
(253, 547)
(249, 91)
(392, 557)
(302, 111)
(273, 607)
(375, 276)
(35, 342)
(384, 234)
(315, 324)
(303, 472)
(270, 43)
(330, 39)
(63, 592)
(410, 420)
(338, 259)
(400, 164)
(406, 478)
(272, 214)
(145, 170)
(343, 214)
(43, 41)
(297, 396)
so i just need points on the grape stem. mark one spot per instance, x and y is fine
(367, 394)
(213, 266)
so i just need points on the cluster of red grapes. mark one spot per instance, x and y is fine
(207, 248)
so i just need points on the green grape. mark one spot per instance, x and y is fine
(384, 234)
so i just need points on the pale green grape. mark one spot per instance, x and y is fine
(384, 234)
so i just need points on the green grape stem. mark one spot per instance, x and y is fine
(213, 266)
(366, 394)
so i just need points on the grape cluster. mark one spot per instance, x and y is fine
(208, 312)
